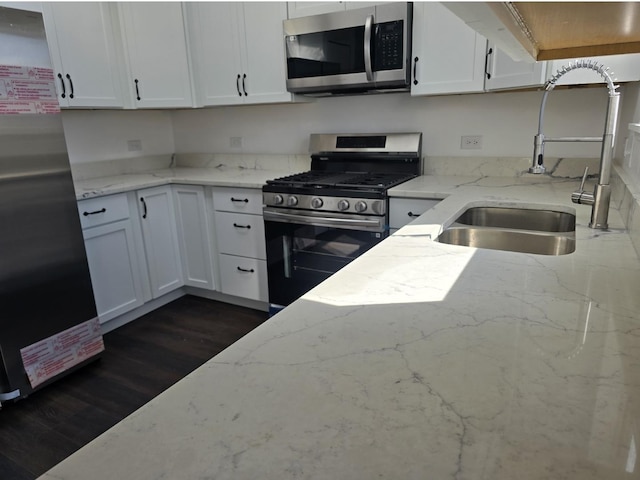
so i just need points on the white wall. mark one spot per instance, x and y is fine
(98, 135)
(507, 122)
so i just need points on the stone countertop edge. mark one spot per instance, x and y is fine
(417, 360)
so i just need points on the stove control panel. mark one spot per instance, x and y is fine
(325, 203)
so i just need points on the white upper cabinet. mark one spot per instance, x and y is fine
(505, 73)
(86, 52)
(156, 48)
(448, 56)
(303, 9)
(238, 52)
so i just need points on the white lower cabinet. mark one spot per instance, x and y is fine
(159, 233)
(405, 210)
(243, 277)
(240, 238)
(194, 231)
(113, 255)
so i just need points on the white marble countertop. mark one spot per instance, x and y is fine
(417, 360)
(219, 177)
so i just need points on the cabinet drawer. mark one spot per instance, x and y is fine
(405, 210)
(241, 200)
(243, 277)
(101, 210)
(240, 234)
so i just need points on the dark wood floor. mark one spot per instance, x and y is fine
(142, 359)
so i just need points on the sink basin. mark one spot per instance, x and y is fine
(544, 232)
(511, 240)
(519, 218)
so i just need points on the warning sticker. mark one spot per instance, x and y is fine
(25, 90)
(52, 356)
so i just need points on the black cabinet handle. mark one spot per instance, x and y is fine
(240, 269)
(486, 64)
(64, 89)
(137, 89)
(102, 210)
(238, 85)
(415, 70)
(144, 206)
(71, 84)
(244, 87)
(411, 214)
(248, 227)
(245, 200)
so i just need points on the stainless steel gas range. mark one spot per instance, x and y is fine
(318, 221)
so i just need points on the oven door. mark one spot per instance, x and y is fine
(303, 250)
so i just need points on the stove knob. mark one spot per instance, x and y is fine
(316, 202)
(278, 200)
(343, 205)
(292, 201)
(360, 206)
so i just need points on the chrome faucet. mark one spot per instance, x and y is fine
(601, 196)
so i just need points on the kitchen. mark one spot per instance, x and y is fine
(97, 138)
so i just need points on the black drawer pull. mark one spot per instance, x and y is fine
(248, 227)
(102, 210)
(240, 269)
(245, 200)
(411, 214)
(64, 90)
(70, 84)
(144, 206)
(137, 89)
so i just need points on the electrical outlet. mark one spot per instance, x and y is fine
(471, 142)
(134, 145)
(235, 142)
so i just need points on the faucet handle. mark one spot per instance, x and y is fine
(580, 196)
(584, 178)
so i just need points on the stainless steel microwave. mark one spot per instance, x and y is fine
(351, 51)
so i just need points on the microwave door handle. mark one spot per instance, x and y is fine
(368, 26)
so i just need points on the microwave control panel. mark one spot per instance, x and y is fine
(388, 54)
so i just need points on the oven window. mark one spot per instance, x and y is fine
(334, 52)
(299, 257)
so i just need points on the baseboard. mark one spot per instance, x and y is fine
(174, 295)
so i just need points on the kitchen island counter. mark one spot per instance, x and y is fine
(417, 360)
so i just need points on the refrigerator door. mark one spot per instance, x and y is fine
(45, 287)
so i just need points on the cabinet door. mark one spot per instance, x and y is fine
(303, 9)
(406, 210)
(156, 46)
(264, 57)
(160, 239)
(194, 236)
(114, 269)
(86, 55)
(506, 73)
(244, 277)
(240, 234)
(448, 55)
(215, 40)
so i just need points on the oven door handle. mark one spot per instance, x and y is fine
(319, 221)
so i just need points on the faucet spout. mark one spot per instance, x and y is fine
(600, 199)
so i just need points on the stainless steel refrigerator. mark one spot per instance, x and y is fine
(48, 319)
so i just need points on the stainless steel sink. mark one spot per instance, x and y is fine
(519, 218)
(544, 232)
(510, 240)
